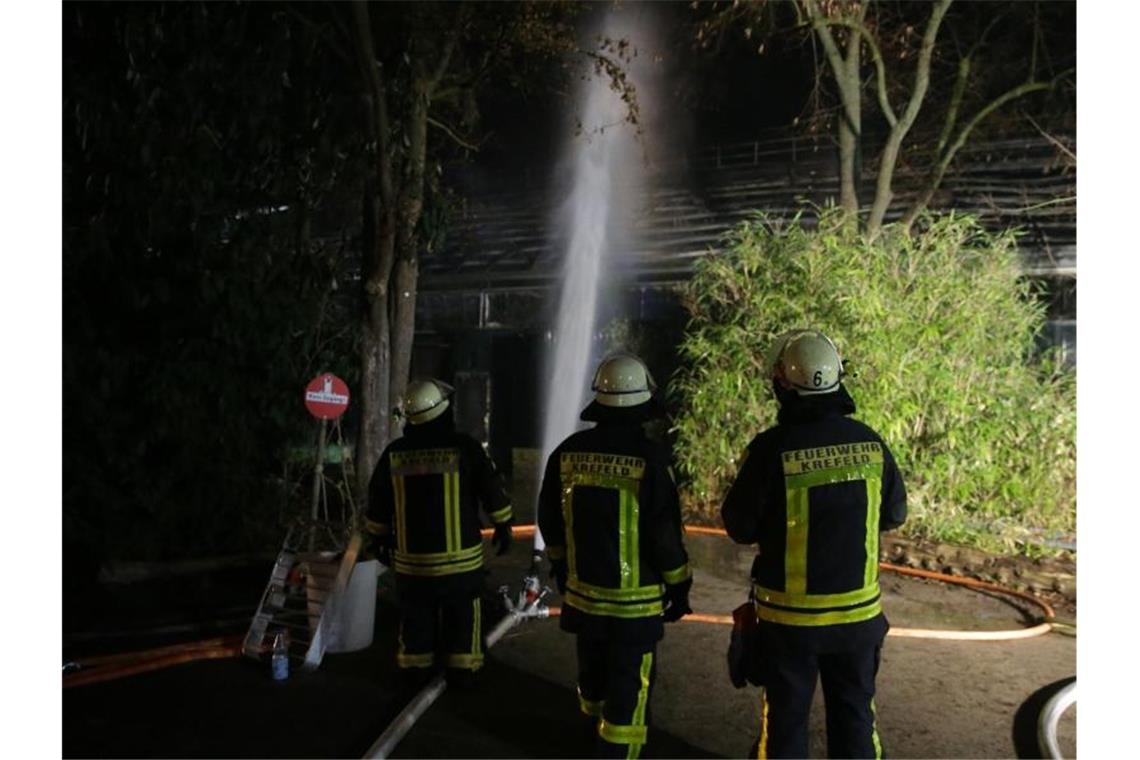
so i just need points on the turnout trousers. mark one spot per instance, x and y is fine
(848, 680)
(614, 681)
(451, 625)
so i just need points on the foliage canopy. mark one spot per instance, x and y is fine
(940, 332)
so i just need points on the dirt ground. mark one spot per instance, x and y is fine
(935, 699)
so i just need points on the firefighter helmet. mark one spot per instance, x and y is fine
(623, 380)
(426, 399)
(807, 361)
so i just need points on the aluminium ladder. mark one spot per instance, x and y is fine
(305, 590)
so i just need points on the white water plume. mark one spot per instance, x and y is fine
(605, 168)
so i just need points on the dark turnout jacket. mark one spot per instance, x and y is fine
(424, 498)
(813, 493)
(608, 507)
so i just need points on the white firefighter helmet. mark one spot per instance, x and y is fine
(426, 399)
(807, 361)
(622, 380)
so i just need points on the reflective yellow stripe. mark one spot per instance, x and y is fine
(401, 513)
(681, 574)
(615, 472)
(504, 514)
(555, 552)
(795, 552)
(647, 609)
(642, 594)
(414, 660)
(437, 557)
(643, 692)
(477, 628)
(762, 745)
(631, 554)
(465, 661)
(616, 734)
(871, 568)
(788, 617)
(816, 601)
(623, 540)
(875, 730)
(800, 478)
(449, 531)
(612, 482)
(445, 569)
(448, 524)
(568, 521)
(457, 525)
(837, 475)
(589, 707)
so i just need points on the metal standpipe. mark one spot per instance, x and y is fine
(1050, 717)
(529, 605)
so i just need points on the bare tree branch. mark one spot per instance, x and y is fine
(845, 70)
(889, 158)
(448, 50)
(820, 24)
(944, 162)
(922, 68)
(370, 68)
(1055, 142)
(452, 134)
(1013, 94)
(956, 96)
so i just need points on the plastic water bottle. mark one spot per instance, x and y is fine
(280, 658)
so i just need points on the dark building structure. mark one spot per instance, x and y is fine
(487, 299)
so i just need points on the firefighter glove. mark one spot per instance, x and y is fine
(558, 572)
(502, 538)
(677, 601)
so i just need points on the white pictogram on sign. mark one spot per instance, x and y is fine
(326, 396)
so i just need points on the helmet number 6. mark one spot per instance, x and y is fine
(817, 378)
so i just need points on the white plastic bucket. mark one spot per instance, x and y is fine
(355, 620)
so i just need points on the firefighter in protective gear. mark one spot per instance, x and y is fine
(608, 509)
(423, 511)
(814, 492)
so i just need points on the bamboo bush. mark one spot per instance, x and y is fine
(940, 332)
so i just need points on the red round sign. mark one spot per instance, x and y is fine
(326, 397)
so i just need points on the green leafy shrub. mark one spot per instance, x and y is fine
(939, 330)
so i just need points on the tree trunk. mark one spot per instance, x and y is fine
(883, 193)
(379, 240)
(403, 328)
(850, 129)
(403, 296)
(845, 70)
(375, 348)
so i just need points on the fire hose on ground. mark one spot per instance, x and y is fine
(1051, 716)
(97, 669)
(529, 605)
(91, 670)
